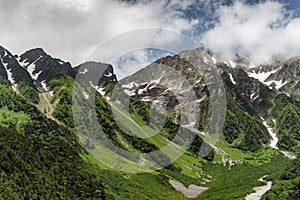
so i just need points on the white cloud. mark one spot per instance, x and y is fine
(258, 31)
(71, 29)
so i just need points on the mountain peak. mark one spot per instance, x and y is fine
(32, 55)
(37, 51)
(4, 52)
(2, 48)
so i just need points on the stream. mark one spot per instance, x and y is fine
(259, 191)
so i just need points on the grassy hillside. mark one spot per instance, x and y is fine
(39, 158)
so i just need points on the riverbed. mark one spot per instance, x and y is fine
(259, 191)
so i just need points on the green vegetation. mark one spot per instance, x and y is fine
(28, 171)
(14, 120)
(287, 116)
(287, 184)
(248, 130)
(29, 92)
(62, 88)
(43, 162)
(25, 84)
(240, 179)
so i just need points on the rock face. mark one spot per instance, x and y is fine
(99, 72)
(42, 67)
(288, 77)
(251, 91)
(164, 82)
(251, 95)
(15, 75)
(11, 68)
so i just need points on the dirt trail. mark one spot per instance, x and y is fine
(45, 105)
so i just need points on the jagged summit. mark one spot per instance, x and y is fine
(35, 69)
(32, 55)
(14, 74)
(90, 68)
(43, 68)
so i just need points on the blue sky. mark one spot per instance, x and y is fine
(293, 4)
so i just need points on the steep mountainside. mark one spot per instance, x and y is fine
(248, 100)
(42, 67)
(16, 75)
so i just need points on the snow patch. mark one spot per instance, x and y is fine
(145, 99)
(214, 60)
(140, 91)
(153, 86)
(274, 139)
(253, 97)
(108, 75)
(232, 64)
(31, 68)
(5, 53)
(262, 76)
(9, 75)
(44, 85)
(205, 60)
(23, 63)
(130, 85)
(156, 81)
(289, 155)
(84, 71)
(129, 93)
(98, 89)
(231, 78)
(278, 84)
(191, 125)
(226, 63)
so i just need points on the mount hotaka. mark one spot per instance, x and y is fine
(43, 156)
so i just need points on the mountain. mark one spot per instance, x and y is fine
(285, 77)
(42, 67)
(16, 75)
(45, 156)
(248, 100)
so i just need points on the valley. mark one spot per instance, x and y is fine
(260, 137)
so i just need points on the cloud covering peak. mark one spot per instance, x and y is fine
(257, 31)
